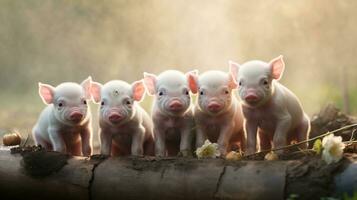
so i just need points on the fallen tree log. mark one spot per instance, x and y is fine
(172, 178)
(331, 118)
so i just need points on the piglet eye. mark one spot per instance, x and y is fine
(226, 92)
(102, 103)
(128, 102)
(201, 93)
(240, 83)
(161, 93)
(60, 104)
(265, 82)
(84, 102)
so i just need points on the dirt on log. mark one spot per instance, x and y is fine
(170, 178)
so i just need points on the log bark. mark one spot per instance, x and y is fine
(176, 178)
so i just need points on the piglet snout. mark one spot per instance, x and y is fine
(214, 106)
(251, 96)
(76, 116)
(175, 105)
(115, 117)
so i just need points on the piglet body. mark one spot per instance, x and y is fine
(125, 128)
(217, 113)
(172, 113)
(269, 108)
(65, 124)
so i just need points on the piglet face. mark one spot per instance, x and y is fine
(255, 80)
(214, 90)
(69, 100)
(117, 99)
(171, 91)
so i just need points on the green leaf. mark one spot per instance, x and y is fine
(317, 146)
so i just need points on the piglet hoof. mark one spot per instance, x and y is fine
(185, 154)
(222, 156)
(87, 155)
(160, 155)
(249, 152)
(279, 152)
(136, 156)
(99, 157)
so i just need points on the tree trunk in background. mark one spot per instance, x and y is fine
(345, 92)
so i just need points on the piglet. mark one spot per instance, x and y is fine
(65, 124)
(268, 107)
(125, 127)
(171, 113)
(217, 112)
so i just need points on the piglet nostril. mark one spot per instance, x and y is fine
(214, 106)
(76, 116)
(251, 97)
(114, 117)
(175, 105)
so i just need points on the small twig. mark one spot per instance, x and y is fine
(348, 143)
(352, 135)
(303, 142)
(304, 151)
(24, 144)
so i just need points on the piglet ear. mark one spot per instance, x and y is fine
(150, 83)
(277, 66)
(192, 79)
(233, 69)
(232, 84)
(47, 93)
(95, 91)
(86, 85)
(138, 89)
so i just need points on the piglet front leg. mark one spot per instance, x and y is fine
(224, 137)
(251, 128)
(201, 137)
(137, 142)
(86, 146)
(186, 141)
(281, 133)
(160, 147)
(57, 140)
(106, 142)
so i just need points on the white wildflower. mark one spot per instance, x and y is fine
(332, 148)
(208, 150)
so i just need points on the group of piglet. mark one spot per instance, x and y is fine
(268, 115)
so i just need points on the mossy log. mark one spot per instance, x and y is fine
(77, 178)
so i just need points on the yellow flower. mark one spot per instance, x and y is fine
(208, 150)
(317, 146)
(332, 148)
(271, 156)
(233, 155)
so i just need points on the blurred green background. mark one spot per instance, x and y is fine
(54, 41)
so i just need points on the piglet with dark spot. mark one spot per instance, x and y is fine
(125, 127)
